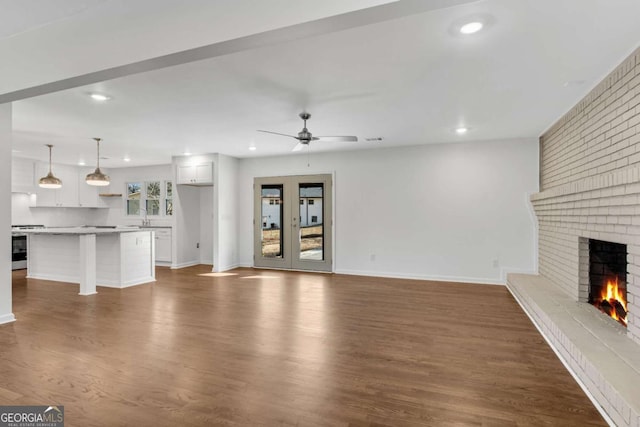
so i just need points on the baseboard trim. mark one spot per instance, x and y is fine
(436, 278)
(64, 279)
(7, 318)
(227, 267)
(184, 265)
(504, 271)
(128, 284)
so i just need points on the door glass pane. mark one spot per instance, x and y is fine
(311, 232)
(271, 217)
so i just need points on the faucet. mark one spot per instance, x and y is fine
(145, 220)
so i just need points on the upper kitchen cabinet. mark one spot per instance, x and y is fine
(67, 196)
(74, 193)
(22, 175)
(89, 195)
(198, 174)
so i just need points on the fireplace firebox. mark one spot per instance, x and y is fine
(608, 278)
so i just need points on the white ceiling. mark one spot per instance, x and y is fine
(410, 81)
(26, 15)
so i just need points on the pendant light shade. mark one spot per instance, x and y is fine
(97, 178)
(49, 181)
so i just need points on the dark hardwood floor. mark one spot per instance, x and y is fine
(254, 347)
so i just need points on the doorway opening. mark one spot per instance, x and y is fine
(292, 222)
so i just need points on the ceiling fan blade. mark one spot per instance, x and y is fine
(336, 138)
(298, 147)
(277, 133)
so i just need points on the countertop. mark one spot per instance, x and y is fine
(81, 230)
(128, 226)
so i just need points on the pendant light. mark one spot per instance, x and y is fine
(97, 178)
(49, 181)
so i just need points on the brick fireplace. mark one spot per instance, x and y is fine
(590, 193)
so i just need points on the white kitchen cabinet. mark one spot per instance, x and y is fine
(22, 175)
(74, 193)
(198, 174)
(163, 244)
(66, 196)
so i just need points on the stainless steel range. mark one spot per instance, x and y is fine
(19, 245)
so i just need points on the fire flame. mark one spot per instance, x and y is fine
(612, 294)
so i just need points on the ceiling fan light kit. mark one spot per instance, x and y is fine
(97, 178)
(49, 181)
(305, 137)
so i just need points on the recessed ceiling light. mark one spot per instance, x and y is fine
(471, 27)
(186, 153)
(252, 148)
(81, 163)
(99, 97)
(462, 130)
(126, 159)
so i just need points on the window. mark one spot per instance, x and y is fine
(133, 198)
(168, 199)
(272, 202)
(152, 203)
(302, 201)
(147, 200)
(311, 201)
(314, 218)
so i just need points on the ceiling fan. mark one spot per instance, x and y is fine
(305, 137)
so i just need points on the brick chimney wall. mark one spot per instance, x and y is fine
(590, 185)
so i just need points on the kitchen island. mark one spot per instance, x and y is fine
(112, 257)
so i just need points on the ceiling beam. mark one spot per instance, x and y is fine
(359, 18)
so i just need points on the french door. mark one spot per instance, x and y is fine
(292, 222)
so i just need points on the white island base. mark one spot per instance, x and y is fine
(90, 257)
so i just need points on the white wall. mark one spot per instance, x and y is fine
(186, 202)
(226, 228)
(445, 211)
(6, 314)
(206, 225)
(187, 212)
